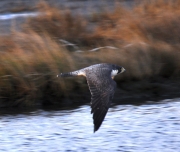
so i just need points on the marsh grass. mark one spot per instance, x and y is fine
(146, 37)
(31, 67)
(58, 23)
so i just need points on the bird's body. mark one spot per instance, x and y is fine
(102, 87)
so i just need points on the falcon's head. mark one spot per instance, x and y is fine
(119, 69)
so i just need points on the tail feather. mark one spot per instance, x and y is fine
(69, 74)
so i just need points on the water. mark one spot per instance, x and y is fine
(9, 21)
(16, 15)
(127, 128)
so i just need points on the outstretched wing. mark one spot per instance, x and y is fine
(102, 89)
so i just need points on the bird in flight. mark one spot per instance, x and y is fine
(101, 85)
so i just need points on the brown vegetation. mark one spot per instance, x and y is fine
(146, 38)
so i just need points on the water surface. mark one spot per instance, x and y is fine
(127, 128)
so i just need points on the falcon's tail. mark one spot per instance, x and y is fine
(71, 74)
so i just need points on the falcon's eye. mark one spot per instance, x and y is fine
(119, 70)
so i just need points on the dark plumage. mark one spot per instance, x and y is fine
(102, 87)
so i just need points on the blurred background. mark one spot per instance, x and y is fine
(40, 39)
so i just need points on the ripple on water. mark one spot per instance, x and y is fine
(153, 127)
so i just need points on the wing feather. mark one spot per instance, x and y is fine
(102, 89)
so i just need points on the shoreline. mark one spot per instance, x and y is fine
(135, 93)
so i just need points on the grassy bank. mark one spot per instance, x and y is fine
(145, 40)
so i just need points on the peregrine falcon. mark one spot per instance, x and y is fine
(102, 87)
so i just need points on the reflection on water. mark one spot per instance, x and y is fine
(145, 128)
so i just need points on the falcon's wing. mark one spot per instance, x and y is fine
(102, 89)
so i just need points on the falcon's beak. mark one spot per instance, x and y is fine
(123, 70)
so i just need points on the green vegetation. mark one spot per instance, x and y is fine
(145, 40)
